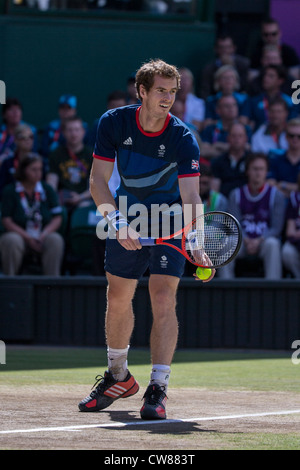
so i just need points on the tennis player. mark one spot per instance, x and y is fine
(158, 162)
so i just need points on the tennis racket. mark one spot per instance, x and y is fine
(211, 240)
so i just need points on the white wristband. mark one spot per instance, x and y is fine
(116, 220)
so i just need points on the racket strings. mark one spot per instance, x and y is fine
(214, 242)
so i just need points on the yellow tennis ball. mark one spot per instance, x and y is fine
(203, 273)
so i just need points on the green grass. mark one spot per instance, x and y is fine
(210, 369)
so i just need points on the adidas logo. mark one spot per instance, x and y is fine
(128, 141)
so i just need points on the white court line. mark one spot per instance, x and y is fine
(145, 423)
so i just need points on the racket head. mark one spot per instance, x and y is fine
(212, 240)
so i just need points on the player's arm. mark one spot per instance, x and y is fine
(101, 172)
(191, 203)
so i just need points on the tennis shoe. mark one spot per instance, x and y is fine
(154, 406)
(107, 390)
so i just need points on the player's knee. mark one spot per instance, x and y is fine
(163, 299)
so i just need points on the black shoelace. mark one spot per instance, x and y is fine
(100, 384)
(154, 394)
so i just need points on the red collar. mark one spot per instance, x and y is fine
(151, 134)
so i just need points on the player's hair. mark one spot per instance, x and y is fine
(147, 72)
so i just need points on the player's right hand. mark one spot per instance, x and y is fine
(129, 238)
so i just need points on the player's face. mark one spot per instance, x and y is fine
(160, 98)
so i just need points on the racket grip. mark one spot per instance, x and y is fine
(147, 241)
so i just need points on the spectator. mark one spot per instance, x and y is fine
(115, 99)
(31, 217)
(271, 35)
(194, 106)
(53, 135)
(70, 164)
(12, 113)
(260, 208)
(229, 168)
(24, 141)
(271, 55)
(291, 247)
(273, 77)
(285, 164)
(226, 82)
(216, 134)
(178, 111)
(212, 200)
(272, 135)
(225, 54)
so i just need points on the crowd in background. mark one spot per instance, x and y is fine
(246, 118)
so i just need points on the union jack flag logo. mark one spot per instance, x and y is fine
(195, 165)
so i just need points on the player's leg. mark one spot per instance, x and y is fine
(166, 268)
(163, 341)
(123, 269)
(117, 381)
(164, 330)
(119, 319)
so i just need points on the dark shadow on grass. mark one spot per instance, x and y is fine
(168, 426)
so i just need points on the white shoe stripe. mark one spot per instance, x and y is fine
(116, 390)
(118, 387)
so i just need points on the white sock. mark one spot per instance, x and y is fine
(160, 375)
(117, 362)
